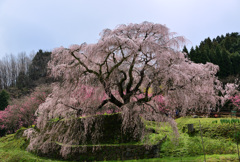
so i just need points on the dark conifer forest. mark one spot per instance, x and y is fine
(223, 51)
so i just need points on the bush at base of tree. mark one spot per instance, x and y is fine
(21, 114)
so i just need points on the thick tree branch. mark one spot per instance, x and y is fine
(120, 84)
(81, 63)
(105, 62)
(109, 93)
(103, 103)
(116, 66)
(140, 80)
(131, 79)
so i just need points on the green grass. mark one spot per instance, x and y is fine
(192, 146)
(209, 158)
(162, 130)
(12, 150)
(218, 140)
(211, 127)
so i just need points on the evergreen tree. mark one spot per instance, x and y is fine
(203, 54)
(197, 53)
(4, 97)
(235, 59)
(223, 51)
(22, 80)
(192, 54)
(218, 54)
(185, 49)
(208, 43)
(225, 64)
(212, 56)
(38, 68)
(227, 43)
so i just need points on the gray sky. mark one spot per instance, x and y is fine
(27, 25)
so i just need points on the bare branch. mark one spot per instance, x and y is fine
(85, 66)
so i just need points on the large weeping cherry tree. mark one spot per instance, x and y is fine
(135, 69)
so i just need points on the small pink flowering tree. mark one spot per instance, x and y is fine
(121, 69)
(235, 100)
(21, 114)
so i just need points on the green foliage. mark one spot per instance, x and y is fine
(161, 130)
(22, 80)
(13, 149)
(229, 121)
(4, 98)
(223, 51)
(185, 148)
(192, 146)
(218, 137)
(185, 49)
(10, 151)
(38, 68)
(19, 132)
(211, 127)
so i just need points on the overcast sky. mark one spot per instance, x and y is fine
(30, 25)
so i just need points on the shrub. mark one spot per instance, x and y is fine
(192, 146)
(21, 114)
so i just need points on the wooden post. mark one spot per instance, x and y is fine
(190, 128)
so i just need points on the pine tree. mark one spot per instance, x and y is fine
(4, 97)
(185, 49)
(203, 54)
(225, 64)
(22, 80)
(235, 59)
(38, 68)
(192, 54)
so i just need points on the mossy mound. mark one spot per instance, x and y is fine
(212, 127)
(67, 138)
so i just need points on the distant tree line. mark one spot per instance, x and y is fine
(19, 74)
(223, 51)
(11, 67)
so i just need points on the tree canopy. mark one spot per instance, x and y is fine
(135, 69)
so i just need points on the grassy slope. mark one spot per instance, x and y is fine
(188, 149)
(11, 150)
(218, 139)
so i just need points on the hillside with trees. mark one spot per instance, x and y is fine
(20, 74)
(134, 73)
(223, 51)
(23, 87)
(117, 92)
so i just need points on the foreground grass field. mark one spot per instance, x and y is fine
(219, 141)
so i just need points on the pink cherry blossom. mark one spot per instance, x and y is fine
(22, 112)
